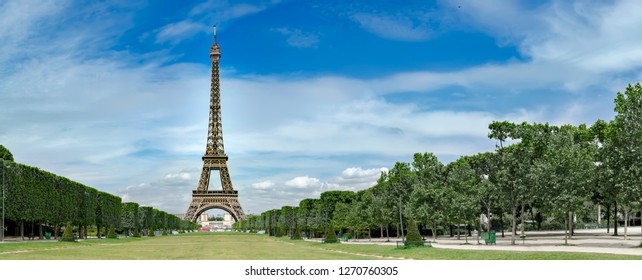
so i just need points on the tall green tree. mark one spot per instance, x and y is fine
(624, 148)
(129, 216)
(566, 171)
(5, 154)
(462, 185)
(429, 198)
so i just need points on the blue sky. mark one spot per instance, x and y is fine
(316, 95)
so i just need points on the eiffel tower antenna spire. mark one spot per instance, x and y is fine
(215, 34)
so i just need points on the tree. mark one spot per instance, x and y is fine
(68, 234)
(567, 172)
(400, 185)
(487, 191)
(462, 189)
(5, 154)
(384, 204)
(413, 238)
(623, 148)
(112, 233)
(331, 235)
(288, 216)
(428, 200)
(509, 175)
(129, 216)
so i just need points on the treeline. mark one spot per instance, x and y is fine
(37, 197)
(538, 174)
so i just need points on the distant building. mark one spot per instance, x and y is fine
(225, 224)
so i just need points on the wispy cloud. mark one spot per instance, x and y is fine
(591, 36)
(203, 15)
(178, 31)
(398, 27)
(298, 38)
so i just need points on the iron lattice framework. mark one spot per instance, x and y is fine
(215, 157)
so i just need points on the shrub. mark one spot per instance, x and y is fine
(68, 234)
(112, 233)
(136, 233)
(330, 235)
(151, 232)
(297, 233)
(164, 232)
(413, 238)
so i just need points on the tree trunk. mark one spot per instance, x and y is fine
(599, 215)
(572, 227)
(501, 221)
(608, 219)
(615, 219)
(626, 220)
(466, 238)
(514, 224)
(490, 220)
(434, 231)
(522, 220)
(98, 231)
(566, 230)
(40, 231)
(56, 231)
(458, 238)
(388, 232)
(479, 232)
(398, 234)
(22, 230)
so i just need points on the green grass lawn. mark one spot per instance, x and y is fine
(216, 246)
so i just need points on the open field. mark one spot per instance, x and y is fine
(212, 246)
(177, 247)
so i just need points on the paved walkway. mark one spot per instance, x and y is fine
(584, 240)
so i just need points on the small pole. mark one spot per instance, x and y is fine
(3, 191)
(403, 238)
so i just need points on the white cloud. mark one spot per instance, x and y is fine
(393, 27)
(171, 194)
(590, 36)
(201, 17)
(263, 185)
(298, 38)
(178, 31)
(357, 178)
(302, 182)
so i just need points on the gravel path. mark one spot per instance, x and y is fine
(584, 240)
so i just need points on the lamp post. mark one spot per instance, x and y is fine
(4, 167)
(403, 238)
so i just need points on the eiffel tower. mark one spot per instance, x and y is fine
(214, 158)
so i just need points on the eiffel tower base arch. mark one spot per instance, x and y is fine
(203, 201)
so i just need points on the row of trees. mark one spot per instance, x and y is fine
(539, 170)
(34, 196)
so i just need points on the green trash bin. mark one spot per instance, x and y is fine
(47, 235)
(345, 237)
(491, 237)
